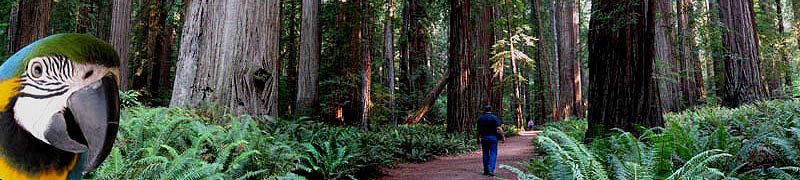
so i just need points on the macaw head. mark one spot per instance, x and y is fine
(63, 91)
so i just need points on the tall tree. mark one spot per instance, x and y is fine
(366, 66)
(768, 34)
(165, 36)
(786, 68)
(308, 69)
(740, 76)
(120, 36)
(568, 64)
(688, 58)
(413, 76)
(544, 85)
(484, 39)
(621, 59)
(29, 21)
(230, 64)
(388, 55)
(514, 70)
(665, 61)
(459, 111)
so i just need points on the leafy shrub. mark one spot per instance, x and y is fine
(173, 143)
(759, 141)
(129, 98)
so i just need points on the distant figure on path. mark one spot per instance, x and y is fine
(530, 125)
(488, 131)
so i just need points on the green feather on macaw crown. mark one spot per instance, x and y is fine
(79, 48)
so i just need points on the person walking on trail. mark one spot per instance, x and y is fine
(488, 132)
(530, 125)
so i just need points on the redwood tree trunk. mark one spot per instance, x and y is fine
(308, 69)
(568, 63)
(741, 76)
(229, 56)
(29, 21)
(484, 40)
(621, 60)
(514, 70)
(543, 58)
(688, 58)
(388, 55)
(459, 115)
(366, 67)
(162, 51)
(416, 116)
(120, 36)
(668, 82)
(415, 78)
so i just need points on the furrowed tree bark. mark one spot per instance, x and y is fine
(366, 67)
(621, 59)
(688, 58)
(742, 79)
(558, 110)
(120, 36)
(388, 55)
(542, 52)
(29, 21)
(192, 48)
(484, 40)
(308, 69)
(667, 68)
(229, 56)
(413, 75)
(459, 117)
(428, 103)
(568, 63)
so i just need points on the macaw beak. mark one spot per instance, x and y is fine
(90, 122)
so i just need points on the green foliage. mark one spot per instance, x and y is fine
(759, 141)
(173, 143)
(129, 98)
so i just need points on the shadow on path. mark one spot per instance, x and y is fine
(469, 166)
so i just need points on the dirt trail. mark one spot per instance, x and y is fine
(468, 166)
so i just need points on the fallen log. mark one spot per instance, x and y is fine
(427, 104)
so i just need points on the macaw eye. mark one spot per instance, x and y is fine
(37, 70)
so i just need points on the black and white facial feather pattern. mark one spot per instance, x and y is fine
(47, 83)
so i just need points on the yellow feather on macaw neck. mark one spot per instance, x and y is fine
(8, 89)
(9, 172)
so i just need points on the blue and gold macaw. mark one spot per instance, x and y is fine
(59, 108)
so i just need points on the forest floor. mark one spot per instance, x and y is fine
(469, 166)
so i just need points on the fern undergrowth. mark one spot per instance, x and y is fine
(174, 143)
(759, 141)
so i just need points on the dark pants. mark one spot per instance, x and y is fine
(489, 145)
